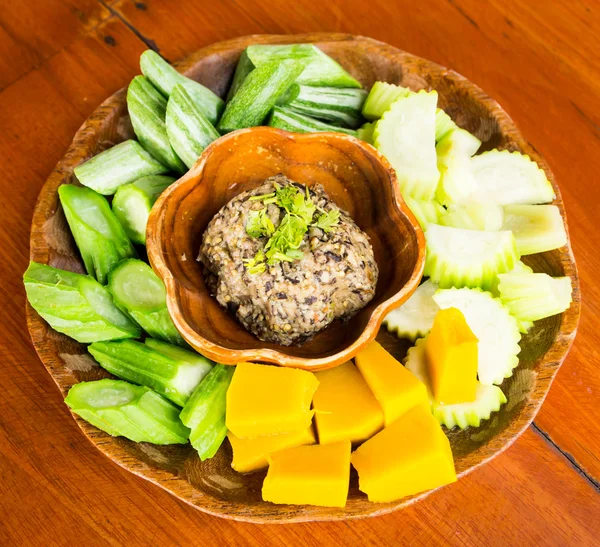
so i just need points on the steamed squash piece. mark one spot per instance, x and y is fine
(309, 475)
(345, 408)
(396, 389)
(251, 454)
(409, 456)
(451, 354)
(269, 400)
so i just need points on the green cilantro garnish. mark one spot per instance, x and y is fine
(284, 242)
(327, 221)
(259, 224)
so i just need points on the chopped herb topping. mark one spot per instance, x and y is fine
(284, 242)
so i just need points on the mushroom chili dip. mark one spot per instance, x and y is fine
(287, 261)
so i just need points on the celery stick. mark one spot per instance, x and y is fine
(124, 410)
(116, 166)
(76, 305)
(132, 203)
(147, 110)
(140, 293)
(173, 375)
(98, 234)
(204, 413)
(165, 78)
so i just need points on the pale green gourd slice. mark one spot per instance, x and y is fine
(426, 212)
(467, 258)
(381, 97)
(405, 135)
(493, 325)
(474, 215)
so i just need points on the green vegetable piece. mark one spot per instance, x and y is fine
(426, 212)
(132, 204)
(258, 94)
(537, 228)
(242, 69)
(381, 97)
(139, 292)
(76, 305)
(365, 132)
(443, 125)
(472, 215)
(101, 239)
(327, 221)
(173, 372)
(286, 119)
(189, 130)
(147, 110)
(116, 166)
(318, 68)
(259, 224)
(331, 104)
(164, 77)
(534, 296)
(204, 413)
(405, 135)
(124, 410)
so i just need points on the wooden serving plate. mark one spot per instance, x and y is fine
(213, 486)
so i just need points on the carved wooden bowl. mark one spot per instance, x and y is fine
(213, 486)
(354, 175)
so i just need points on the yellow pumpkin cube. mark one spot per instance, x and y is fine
(269, 400)
(396, 389)
(251, 454)
(409, 456)
(451, 355)
(345, 408)
(309, 475)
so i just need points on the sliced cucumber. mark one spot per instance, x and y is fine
(124, 410)
(405, 135)
(147, 109)
(488, 398)
(285, 119)
(426, 212)
(507, 178)
(467, 258)
(132, 204)
(495, 328)
(258, 94)
(318, 68)
(164, 77)
(443, 125)
(339, 106)
(173, 377)
(242, 69)
(98, 234)
(537, 228)
(533, 296)
(381, 97)
(139, 292)
(454, 153)
(414, 318)
(188, 129)
(520, 268)
(121, 164)
(204, 413)
(472, 215)
(365, 132)
(76, 305)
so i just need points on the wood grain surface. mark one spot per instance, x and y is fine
(538, 59)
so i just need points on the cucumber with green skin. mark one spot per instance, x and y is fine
(339, 106)
(258, 94)
(172, 377)
(101, 239)
(381, 97)
(147, 110)
(164, 77)
(121, 164)
(318, 68)
(365, 132)
(124, 410)
(188, 129)
(140, 293)
(285, 119)
(76, 305)
(204, 413)
(132, 204)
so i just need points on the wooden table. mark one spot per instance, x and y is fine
(60, 58)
